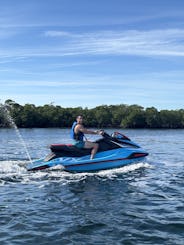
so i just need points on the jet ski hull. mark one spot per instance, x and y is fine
(103, 160)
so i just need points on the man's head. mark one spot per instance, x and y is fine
(79, 119)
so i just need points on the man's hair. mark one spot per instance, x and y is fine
(79, 116)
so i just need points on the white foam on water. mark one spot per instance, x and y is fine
(106, 174)
(12, 169)
(128, 168)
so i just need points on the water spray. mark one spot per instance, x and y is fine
(5, 110)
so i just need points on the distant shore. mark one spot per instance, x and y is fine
(104, 116)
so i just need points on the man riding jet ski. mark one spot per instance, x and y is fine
(114, 151)
(77, 134)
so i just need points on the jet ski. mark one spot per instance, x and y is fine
(114, 151)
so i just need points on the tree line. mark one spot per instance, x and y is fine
(104, 116)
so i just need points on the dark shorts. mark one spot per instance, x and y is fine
(79, 144)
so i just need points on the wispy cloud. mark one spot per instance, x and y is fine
(92, 91)
(141, 43)
(58, 34)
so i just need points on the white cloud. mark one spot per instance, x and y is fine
(141, 43)
(57, 34)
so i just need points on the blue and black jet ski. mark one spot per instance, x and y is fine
(114, 151)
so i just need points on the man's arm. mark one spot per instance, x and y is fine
(85, 131)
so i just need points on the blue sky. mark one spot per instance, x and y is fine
(88, 53)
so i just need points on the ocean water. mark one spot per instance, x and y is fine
(138, 204)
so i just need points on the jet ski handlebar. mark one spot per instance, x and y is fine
(106, 135)
(114, 135)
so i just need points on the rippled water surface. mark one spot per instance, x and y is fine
(137, 204)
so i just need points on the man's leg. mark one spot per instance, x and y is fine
(93, 146)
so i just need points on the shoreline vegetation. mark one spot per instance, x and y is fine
(103, 116)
